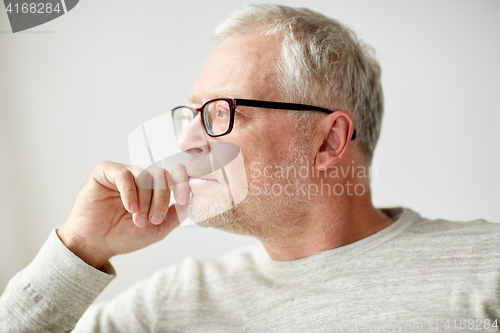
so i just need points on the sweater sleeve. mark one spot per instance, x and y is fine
(133, 310)
(52, 292)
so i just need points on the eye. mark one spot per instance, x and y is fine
(222, 111)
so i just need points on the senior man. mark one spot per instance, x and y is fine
(296, 91)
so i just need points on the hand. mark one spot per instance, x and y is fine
(112, 215)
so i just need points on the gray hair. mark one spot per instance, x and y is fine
(322, 63)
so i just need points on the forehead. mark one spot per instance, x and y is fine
(240, 67)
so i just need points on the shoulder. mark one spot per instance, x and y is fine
(442, 233)
(444, 227)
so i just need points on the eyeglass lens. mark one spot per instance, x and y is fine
(216, 118)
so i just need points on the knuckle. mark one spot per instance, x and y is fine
(179, 176)
(146, 175)
(159, 173)
(101, 166)
(144, 180)
(124, 174)
(104, 165)
(154, 169)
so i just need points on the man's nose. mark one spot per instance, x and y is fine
(193, 139)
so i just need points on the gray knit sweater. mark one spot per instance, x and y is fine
(415, 275)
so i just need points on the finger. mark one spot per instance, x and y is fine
(181, 187)
(125, 184)
(182, 212)
(118, 177)
(170, 222)
(144, 185)
(161, 196)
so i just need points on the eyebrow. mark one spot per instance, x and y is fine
(191, 99)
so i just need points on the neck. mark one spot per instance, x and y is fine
(329, 222)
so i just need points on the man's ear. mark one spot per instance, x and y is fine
(333, 137)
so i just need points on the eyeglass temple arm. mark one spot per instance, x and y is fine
(285, 106)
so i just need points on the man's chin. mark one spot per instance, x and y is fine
(206, 214)
(222, 216)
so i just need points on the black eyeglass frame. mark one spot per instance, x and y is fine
(234, 102)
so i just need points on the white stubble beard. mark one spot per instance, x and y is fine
(261, 216)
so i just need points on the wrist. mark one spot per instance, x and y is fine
(78, 246)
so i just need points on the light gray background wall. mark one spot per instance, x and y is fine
(72, 90)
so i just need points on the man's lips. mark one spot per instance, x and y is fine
(197, 184)
(201, 176)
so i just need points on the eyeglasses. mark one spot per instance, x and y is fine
(217, 114)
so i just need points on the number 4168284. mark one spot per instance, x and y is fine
(33, 8)
(470, 324)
